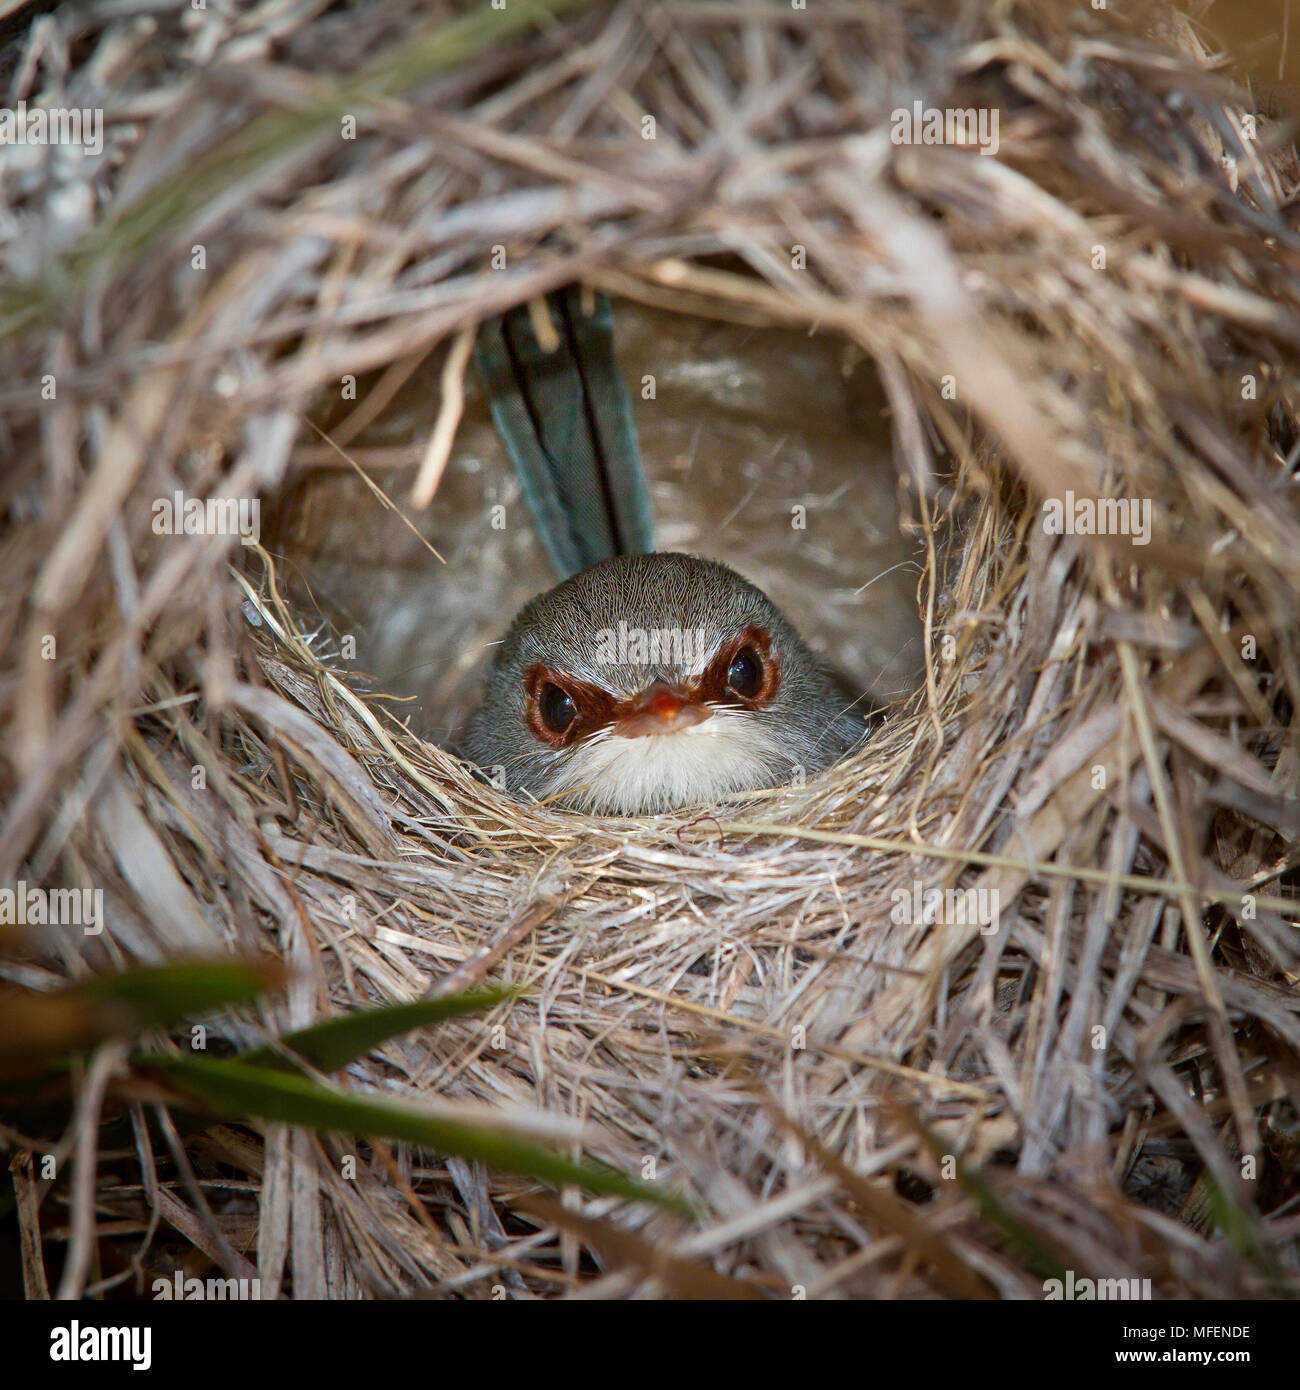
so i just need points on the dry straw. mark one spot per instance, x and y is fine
(863, 1102)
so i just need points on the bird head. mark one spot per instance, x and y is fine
(654, 681)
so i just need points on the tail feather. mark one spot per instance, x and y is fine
(565, 418)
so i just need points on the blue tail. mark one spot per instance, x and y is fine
(565, 418)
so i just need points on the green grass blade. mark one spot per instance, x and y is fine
(1242, 1233)
(233, 1090)
(159, 995)
(331, 1045)
(127, 1003)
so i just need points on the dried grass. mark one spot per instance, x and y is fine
(726, 994)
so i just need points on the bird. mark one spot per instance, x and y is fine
(652, 682)
(644, 681)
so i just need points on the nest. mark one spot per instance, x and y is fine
(865, 1090)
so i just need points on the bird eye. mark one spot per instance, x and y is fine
(745, 674)
(556, 707)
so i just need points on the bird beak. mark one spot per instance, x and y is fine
(659, 709)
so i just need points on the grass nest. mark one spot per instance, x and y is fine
(863, 1092)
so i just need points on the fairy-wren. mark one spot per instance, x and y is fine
(649, 682)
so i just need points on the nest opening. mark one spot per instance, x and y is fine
(1039, 931)
(764, 448)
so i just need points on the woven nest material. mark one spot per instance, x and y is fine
(863, 1099)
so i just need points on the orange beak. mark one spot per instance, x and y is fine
(659, 709)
